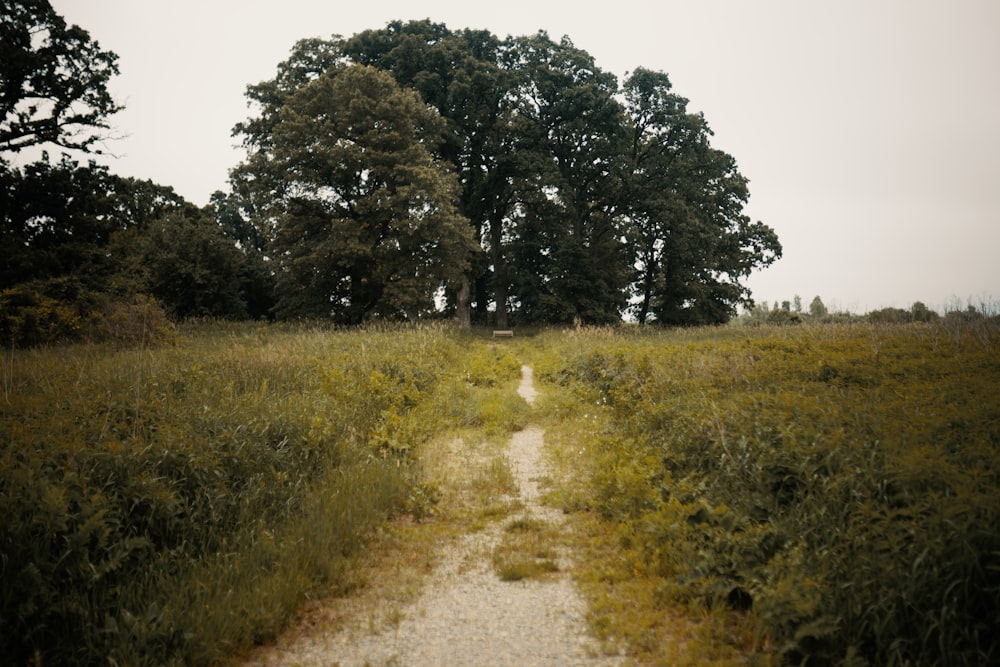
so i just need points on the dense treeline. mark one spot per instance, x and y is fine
(78, 238)
(583, 198)
(84, 252)
(408, 172)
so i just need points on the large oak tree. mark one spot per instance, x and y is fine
(692, 244)
(460, 73)
(361, 216)
(571, 262)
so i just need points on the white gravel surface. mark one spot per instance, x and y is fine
(466, 615)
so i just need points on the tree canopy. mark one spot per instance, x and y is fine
(364, 217)
(53, 80)
(589, 200)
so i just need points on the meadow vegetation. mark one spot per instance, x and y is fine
(822, 493)
(176, 504)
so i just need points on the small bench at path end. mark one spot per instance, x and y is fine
(502, 333)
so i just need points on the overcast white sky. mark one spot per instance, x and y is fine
(869, 129)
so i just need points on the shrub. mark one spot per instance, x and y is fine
(28, 317)
(137, 321)
(60, 312)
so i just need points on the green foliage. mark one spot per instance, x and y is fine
(567, 189)
(526, 551)
(41, 313)
(174, 505)
(28, 317)
(692, 243)
(55, 80)
(138, 321)
(817, 308)
(478, 392)
(840, 482)
(368, 228)
(79, 238)
(187, 263)
(491, 366)
(835, 486)
(783, 316)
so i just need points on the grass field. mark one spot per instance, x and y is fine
(826, 493)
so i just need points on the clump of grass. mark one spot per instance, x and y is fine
(494, 479)
(526, 551)
(516, 570)
(492, 493)
(524, 524)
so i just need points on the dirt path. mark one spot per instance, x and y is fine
(465, 614)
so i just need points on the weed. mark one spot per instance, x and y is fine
(527, 550)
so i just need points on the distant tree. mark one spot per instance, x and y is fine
(920, 312)
(58, 219)
(51, 223)
(53, 87)
(889, 315)
(257, 276)
(786, 306)
(797, 303)
(363, 215)
(80, 235)
(816, 307)
(783, 316)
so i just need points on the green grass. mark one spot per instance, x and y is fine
(833, 488)
(765, 495)
(178, 504)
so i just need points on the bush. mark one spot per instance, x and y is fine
(781, 316)
(28, 317)
(135, 322)
(60, 312)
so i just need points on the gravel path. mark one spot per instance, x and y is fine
(466, 615)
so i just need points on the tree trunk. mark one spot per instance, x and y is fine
(462, 304)
(499, 270)
(501, 298)
(647, 294)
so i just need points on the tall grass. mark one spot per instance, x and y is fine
(174, 505)
(836, 486)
